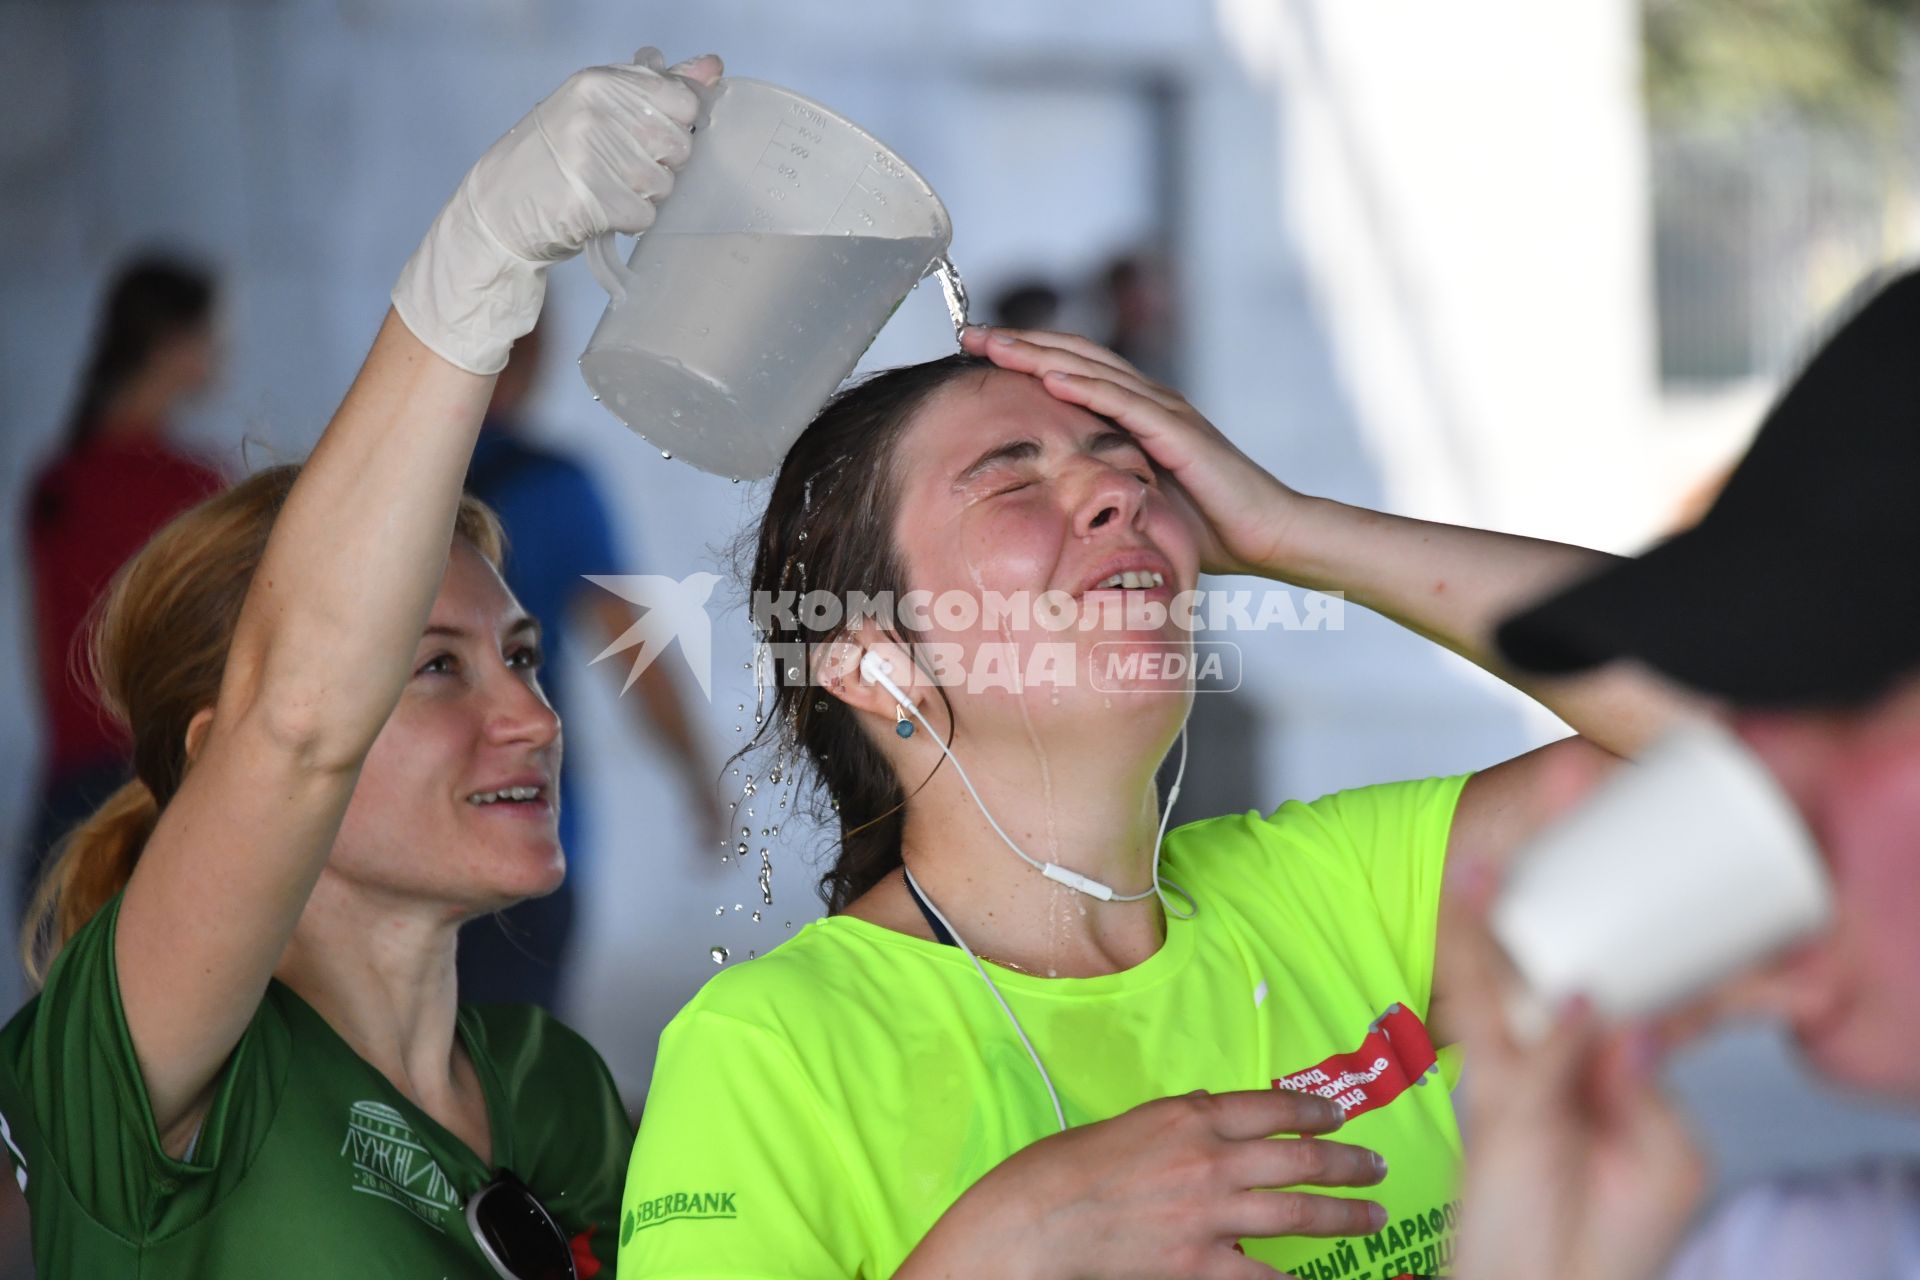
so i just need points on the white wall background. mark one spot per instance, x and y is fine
(1412, 252)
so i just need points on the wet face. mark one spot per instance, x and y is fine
(1007, 492)
(457, 804)
(1854, 997)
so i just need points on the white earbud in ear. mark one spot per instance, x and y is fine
(875, 667)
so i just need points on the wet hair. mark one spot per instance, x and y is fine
(828, 527)
(156, 653)
(152, 300)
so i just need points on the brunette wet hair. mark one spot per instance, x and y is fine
(828, 527)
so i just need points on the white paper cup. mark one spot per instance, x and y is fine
(1683, 868)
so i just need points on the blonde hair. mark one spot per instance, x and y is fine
(156, 652)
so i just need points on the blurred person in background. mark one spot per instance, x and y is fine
(1135, 293)
(557, 531)
(116, 479)
(1795, 604)
(1027, 303)
(248, 1056)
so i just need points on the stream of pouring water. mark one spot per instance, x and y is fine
(954, 290)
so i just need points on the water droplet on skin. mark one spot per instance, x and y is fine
(719, 954)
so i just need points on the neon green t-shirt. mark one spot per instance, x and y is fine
(814, 1112)
(310, 1164)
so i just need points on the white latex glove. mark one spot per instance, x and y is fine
(593, 157)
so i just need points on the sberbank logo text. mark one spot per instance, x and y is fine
(675, 1206)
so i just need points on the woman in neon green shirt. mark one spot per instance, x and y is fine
(248, 1058)
(866, 1099)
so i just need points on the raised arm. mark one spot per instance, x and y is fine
(325, 639)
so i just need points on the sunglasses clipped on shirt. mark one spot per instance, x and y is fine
(517, 1234)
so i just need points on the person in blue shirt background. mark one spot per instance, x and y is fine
(557, 530)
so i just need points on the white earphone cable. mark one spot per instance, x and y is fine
(1059, 1115)
(874, 667)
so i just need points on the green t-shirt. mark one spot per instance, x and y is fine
(814, 1112)
(309, 1163)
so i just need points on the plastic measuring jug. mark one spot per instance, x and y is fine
(791, 235)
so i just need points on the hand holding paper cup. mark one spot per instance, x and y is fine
(1680, 870)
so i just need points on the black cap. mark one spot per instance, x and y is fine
(1802, 585)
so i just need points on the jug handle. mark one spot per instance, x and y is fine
(603, 257)
(603, 251)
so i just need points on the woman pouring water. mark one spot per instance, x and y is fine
(248, 1057)
(1033, 1037)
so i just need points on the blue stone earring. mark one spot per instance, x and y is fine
(902, 723)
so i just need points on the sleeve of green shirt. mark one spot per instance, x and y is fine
(1396, 833)
(72, 1067)
(736, 1172)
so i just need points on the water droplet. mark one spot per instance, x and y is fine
(819, 704)
(719, 954)
(741, 849)
(719, 911)
(793, 677)
(739, 706)
(803, 535)
(738, 906)
(756, 917)
(667, 454)
(789, 924)
(751, 953)
(736, 728)
(773, 775)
